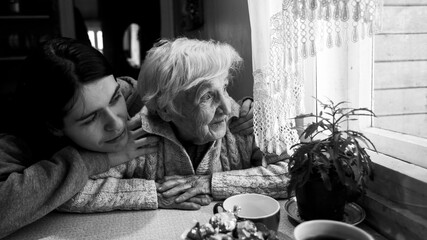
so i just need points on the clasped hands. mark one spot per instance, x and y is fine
(180, 192)
(184, 192)
(192, 192)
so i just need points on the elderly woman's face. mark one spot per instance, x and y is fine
(204, 111)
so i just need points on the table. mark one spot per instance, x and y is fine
(164, 224)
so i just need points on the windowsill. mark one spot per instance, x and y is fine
(396, 203)
(402, 146)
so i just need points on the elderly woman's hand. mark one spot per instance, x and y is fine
(137, 145)
(244, 124)
(193, 203)
(185, 187)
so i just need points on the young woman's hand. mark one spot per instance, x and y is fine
(244, 124)
(186, 187)
(139, 143)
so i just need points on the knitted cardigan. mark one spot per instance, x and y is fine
(236, 166)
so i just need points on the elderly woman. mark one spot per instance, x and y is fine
(184, 87)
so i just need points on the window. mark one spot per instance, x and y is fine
(400, 69)
(95, 35)
(358, 73)
(398, 82)
(388, 76)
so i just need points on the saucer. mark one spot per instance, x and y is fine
(353, 213)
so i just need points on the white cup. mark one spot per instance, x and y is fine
(315, 229)
(255, 207)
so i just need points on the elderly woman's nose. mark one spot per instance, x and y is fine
(112, 121)
(225, 104)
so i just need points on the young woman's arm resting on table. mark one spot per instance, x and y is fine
(114, 189)
(32, 181)
(29, 192)
(31, 189)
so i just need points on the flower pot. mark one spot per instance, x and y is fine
(315, 201)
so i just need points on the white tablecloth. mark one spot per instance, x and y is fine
(158, 224)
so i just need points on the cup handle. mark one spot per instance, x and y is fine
(217, 206)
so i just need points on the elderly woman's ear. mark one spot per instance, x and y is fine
(164, 114)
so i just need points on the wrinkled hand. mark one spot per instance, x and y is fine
(138, 144)
(185, 187)
(244, 124)
(193, 203)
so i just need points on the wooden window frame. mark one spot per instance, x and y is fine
(396, 200)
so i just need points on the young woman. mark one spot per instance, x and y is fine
(71, 122)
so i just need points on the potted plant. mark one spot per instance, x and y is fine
(326, 172)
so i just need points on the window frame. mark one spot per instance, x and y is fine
(404, 147)
(395, 200)
(358, 91)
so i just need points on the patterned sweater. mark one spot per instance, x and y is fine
(236, 165)
(31, 188)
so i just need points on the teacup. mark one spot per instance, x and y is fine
(255, 207)
(329, 229)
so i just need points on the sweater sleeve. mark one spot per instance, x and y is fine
(128, 89)
(248, 170)
(29, 192)
(270, 180)
(120, 188)
(108, 194)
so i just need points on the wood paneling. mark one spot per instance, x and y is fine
(391, 220)
(396, 201)
(400, 74)
(401, 47)
(400, 69)
(415, 19)
(400, 188)
(400, 101)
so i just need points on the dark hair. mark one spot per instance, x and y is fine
(52, 78)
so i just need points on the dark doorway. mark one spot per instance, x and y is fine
(116, 16)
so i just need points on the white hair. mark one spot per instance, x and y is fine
(174, 66)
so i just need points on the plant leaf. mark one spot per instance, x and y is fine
(340, 151)
(361, 137)
(310, 129)
(301, 116)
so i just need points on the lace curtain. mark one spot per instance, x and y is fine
(284, 33)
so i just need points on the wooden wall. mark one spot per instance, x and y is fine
(396, 201)
(400, 75)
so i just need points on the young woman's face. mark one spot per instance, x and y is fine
(97, 121)
(205, 109)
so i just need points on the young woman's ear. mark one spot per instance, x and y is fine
(54, 131)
